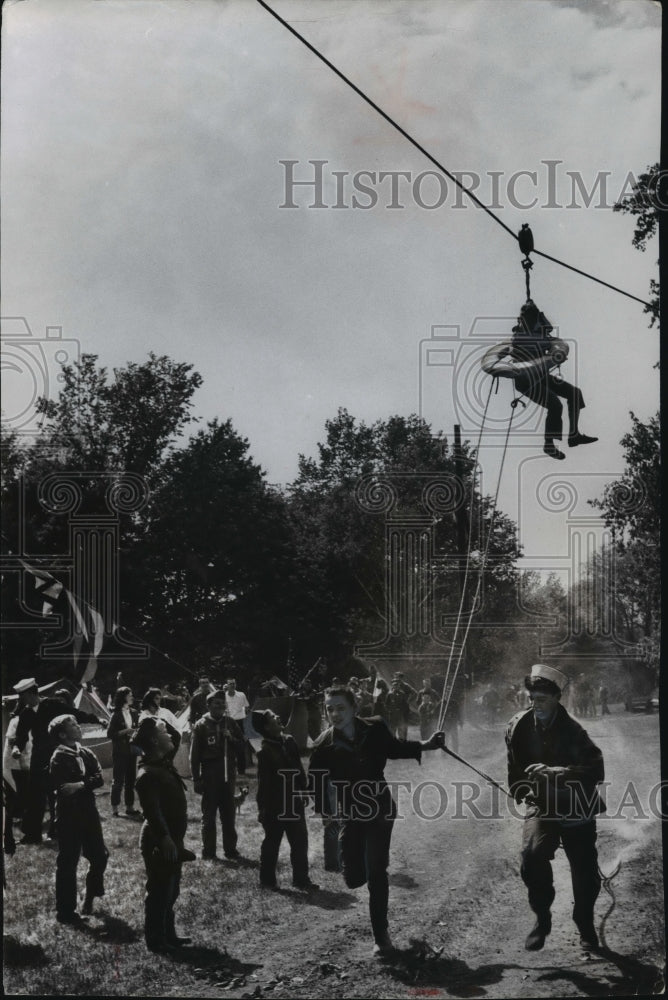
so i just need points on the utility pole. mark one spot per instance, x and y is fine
(460, 512)
(461, 525)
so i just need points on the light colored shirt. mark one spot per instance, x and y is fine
(237, 704)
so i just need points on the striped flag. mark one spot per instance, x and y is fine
(88, 622)
(47, 587)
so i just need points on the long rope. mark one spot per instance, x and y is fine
(468, 560)
(383, 114)
(478, 771)
(484, 558)
(155, 649)
(606, 884)
(432, 159)
(482, 564)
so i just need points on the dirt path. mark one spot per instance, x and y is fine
(458, 908)
(455, 886)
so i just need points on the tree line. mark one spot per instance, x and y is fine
(218, 562)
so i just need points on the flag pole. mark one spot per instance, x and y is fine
(307, 675)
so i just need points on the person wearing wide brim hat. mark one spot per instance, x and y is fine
(554, 767)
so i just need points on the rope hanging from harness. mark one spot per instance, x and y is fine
(508, 361)
(446, 696)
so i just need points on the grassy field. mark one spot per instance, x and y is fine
(454, 885)
(108, 956)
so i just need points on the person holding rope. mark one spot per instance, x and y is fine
(554, 767)
(350, 756)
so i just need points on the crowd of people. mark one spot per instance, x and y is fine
(553, 767)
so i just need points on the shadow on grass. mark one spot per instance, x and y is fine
(20, 954)
(421, 965)
(113, 930)
(240, 862)
(403, 881)
(208, 962)
(636, 979)
(323, 898)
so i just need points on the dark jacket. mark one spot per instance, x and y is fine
(209, 738)
(397, 707)
(197, 706)
(76, 763)
(162, 796)
(121, 743)
(361, 761)
(380, 705)
(564, 743)
(531, 336)
(279, 775)
(37, 724)
(365, 704)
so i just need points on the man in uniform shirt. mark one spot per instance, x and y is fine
(197, 706)
(554, 767)
(212, 762)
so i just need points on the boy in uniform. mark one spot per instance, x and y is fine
(213, 752)
(280, 780)
(75, 771)
(163, 800)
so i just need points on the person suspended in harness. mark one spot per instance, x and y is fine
(532, 344)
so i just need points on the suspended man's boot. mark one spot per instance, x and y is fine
(575, 439)
(551, 450)
(536, 937)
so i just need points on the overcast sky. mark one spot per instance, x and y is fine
(141, 184)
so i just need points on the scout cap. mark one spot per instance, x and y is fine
(541, 672)
(25, 685)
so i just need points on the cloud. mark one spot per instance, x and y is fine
(141, 180)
